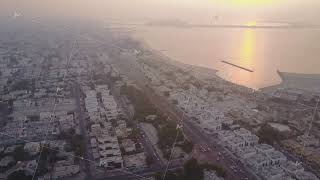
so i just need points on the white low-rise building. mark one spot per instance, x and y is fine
(273, 173)
(246, 152)
(113, 162)
(238, 139)
(93, 142)
(264, 148)
(305, 176)
(258, 161)
(6, 161)
(251, 140)
(91, 101)
(292, 168)
(32, 148)
(211, 175)
(235, 143)
(128, 145)
(309, 140)
(225, 135)
(110, 154)
(242, 132)
(276, 158)
(65, 171)
(31, 165)
(211, 127)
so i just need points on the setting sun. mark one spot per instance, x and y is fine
(251, 23)
(249, 2)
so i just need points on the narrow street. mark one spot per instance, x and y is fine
(143, 139)
(85, 165)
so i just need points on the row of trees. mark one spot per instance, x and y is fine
(269, 135)
(142, 106)
(167, 134)
(21, 85)
(46, 161)
(75, 142)
(192, 170)
(19, 175)
(166, 129)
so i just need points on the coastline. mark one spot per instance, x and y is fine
(288, 79)
(147, 46)
(306, 82)
(170, 60)
(194, 68)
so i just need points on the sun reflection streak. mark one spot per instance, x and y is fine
(247, 48)
(246, 53)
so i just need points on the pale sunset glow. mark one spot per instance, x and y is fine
(251, 23)
(160, 89)
(249, 2)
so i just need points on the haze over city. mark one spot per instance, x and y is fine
(159, 89)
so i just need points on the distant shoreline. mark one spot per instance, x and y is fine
(307, 82)
(171, 61)
(145, 45)
(183, 24)
(283, 75)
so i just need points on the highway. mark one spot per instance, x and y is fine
(197, 137)
(189, 130)
(149, 148)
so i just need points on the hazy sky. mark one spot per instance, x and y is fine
(264, 50)
(190, 10)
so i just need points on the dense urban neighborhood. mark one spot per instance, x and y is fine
(85, 103)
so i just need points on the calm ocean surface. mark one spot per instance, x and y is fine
(263, 50)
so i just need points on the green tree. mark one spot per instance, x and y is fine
(166, 93)
(19, 175)
(175, 102)
(149, 160)
(167, 134)
(169, 176)
(187, 146)
(21, 85)
(75, 142)
(268, 135)
(20, 154)
(192, 170)
(141, 103)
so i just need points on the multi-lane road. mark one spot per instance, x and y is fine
(196, 136)
(190, 131)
